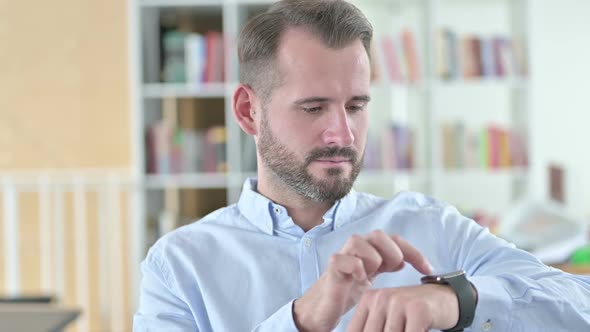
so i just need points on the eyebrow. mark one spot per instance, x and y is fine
(309, 100)
(365, 98)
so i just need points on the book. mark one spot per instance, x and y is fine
(503, 58)
(214, 159)
(476, 56)
(391, 59)
(214, 69)
(403, 144)
(150, 144)
(471, 148)
(505, 158)
(376, 64)
(497, 45)
(475, 45)
(493, 143)
(442, 56)
(471, 57)
(173, 48)
(191, 151)
(411, 56)
(487, 57)
(454, 67)
(484, 148)
(492, 147)
(387, 148)
(372, 153)
(556, 183)
(459, 145)
(162, 133)
(195, 55)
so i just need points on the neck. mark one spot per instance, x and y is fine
(305, 213)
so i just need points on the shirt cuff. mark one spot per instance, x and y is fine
(494, 305)
(281, 320)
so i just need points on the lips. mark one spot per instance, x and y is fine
(332, 156)
(334, 160)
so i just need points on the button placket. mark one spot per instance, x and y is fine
(308, 262)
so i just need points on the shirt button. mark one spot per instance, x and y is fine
(487, 325)
(307, 242)
(277, 210)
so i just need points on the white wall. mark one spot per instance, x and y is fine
(560, 83)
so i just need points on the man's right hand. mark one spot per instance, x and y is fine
(350, 272)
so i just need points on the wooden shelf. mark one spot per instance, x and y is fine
(516, 172)
(195, 180)
(481, 82)
(193, 90)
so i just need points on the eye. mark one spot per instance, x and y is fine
(312, 110)
(356, 108)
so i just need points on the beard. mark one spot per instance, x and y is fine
(294, 173)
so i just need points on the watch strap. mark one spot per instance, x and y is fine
(467, 302)
(465, 293)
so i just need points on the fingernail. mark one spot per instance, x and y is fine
(430, 268)
(368, 283)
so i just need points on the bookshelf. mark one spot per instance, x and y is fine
(411, 103)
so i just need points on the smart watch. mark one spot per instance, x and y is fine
(465, 294)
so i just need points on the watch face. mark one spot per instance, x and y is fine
(452, 274)
(442, 277)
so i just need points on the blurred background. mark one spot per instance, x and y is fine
(116, 127)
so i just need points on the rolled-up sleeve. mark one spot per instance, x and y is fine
(516, 292)
(281, 320)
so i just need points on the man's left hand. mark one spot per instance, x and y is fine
(406, 309)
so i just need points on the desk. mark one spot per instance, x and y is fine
(574, 269)
(35, 317)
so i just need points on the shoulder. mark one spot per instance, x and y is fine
(405, 210)
(407, 200)
(199, 235)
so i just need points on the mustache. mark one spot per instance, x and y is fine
(344, 152)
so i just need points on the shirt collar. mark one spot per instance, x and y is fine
(270, 217)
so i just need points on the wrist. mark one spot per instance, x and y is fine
(444, 306)
(465, 299)
(302, 320)
(297, 316)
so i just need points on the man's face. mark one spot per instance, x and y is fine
(313, 129)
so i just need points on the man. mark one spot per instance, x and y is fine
(300, 251)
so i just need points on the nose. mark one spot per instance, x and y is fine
(338, 129)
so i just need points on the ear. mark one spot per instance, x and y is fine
(244, 110)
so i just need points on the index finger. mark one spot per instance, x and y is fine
(412, 255)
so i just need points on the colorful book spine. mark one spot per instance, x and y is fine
(492, 147)
(172, 150)
(195, 51)
(474, 56)
(411, 56)
(173, 48)
(391, 59)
